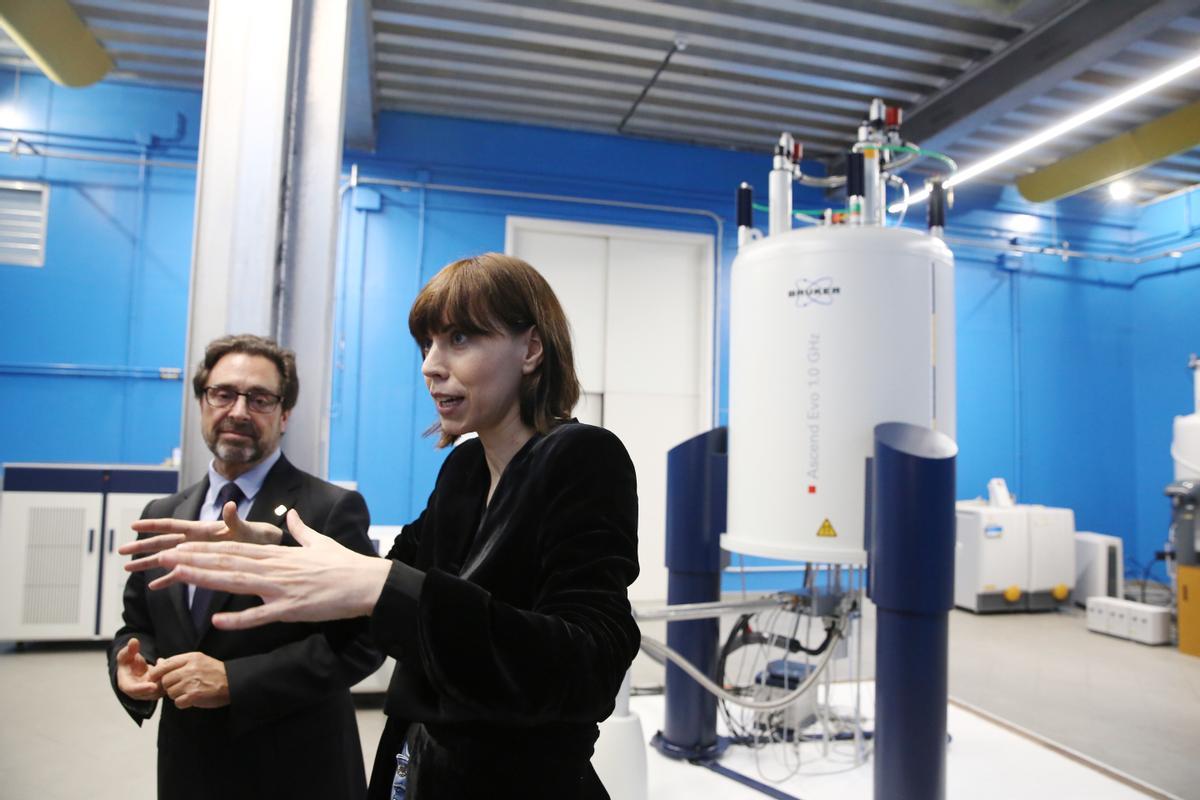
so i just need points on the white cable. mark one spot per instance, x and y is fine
(904, 208)
(660, 651)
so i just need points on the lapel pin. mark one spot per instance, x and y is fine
(280, 510)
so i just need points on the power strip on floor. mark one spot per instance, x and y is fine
(1140, 622)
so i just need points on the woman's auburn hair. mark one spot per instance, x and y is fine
(493, 293)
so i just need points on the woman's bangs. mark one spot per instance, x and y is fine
(451, 301)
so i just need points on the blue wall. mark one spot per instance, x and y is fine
(1046, 348)
(394, 240)
(82, 338)
(1166, 329)
(1068, 373)
(1044, 358)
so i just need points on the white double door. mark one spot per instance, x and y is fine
(640, 306)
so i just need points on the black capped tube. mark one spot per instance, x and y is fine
(855, 183)
(745, 206)
(937, 204)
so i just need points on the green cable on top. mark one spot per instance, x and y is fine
(812, 212)
(903, 148)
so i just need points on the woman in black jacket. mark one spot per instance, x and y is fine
(505, 603)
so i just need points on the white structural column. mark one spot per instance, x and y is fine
(310, 220)
(266, 199)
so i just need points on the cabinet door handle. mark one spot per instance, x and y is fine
(91, 539)
(112, 535)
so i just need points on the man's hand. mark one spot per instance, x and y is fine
(230, 528)
(192, 680)
(133, 673)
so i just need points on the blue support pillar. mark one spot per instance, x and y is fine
(696, 482)
(911, 560)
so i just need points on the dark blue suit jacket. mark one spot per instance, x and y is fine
(289, 730)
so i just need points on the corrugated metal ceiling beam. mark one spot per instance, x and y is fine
(779, 120)
(805, 30)
(1109, 83)
(816, 42)
(557, 97)
(156, 78)
(599, 56)
(1167, 171)
(700, 134)
(781, 16)
(580, 110)
(769, 131)
(106, 35)
(1084, 35)
(199, 7)
(448, 78)
(734, 94)
(139, 20)
(497, 115)
(1173, 37)
(927, 16)
(735, 101)
(359, 130)
(801, 58)
(190, 60)
(180, 72)
(762, 135)
(389, 61)
(453, 105)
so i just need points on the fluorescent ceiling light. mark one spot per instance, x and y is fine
(1025, 223)
(1066, 126)
(1120, 190)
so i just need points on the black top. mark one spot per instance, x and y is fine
(511, 624)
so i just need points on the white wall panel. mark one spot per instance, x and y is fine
(576, 267)
(639, 302)
(655, 307)
(650, 426)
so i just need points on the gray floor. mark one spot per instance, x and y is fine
(1133, 707)
(64, 736)
(1130, 706)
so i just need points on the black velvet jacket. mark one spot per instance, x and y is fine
(513, 643)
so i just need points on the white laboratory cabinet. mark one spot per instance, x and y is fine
(60, 526)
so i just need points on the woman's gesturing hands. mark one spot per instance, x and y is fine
(172, 532)
(318, 581)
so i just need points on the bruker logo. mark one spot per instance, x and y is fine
(815, 292)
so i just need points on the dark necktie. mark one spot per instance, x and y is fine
(202, 596)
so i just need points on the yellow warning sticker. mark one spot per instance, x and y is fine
(826, 529)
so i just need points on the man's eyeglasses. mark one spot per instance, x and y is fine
(256, 399)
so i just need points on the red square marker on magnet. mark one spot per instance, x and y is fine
(812, 490)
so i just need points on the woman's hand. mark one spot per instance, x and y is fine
(173, 532)
(318, 581)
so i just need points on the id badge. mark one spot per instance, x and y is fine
(400, 779)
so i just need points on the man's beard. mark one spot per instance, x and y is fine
(231, 453)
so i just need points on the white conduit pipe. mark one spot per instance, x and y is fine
(660, 651)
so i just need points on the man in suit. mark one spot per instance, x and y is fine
(264, 713)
